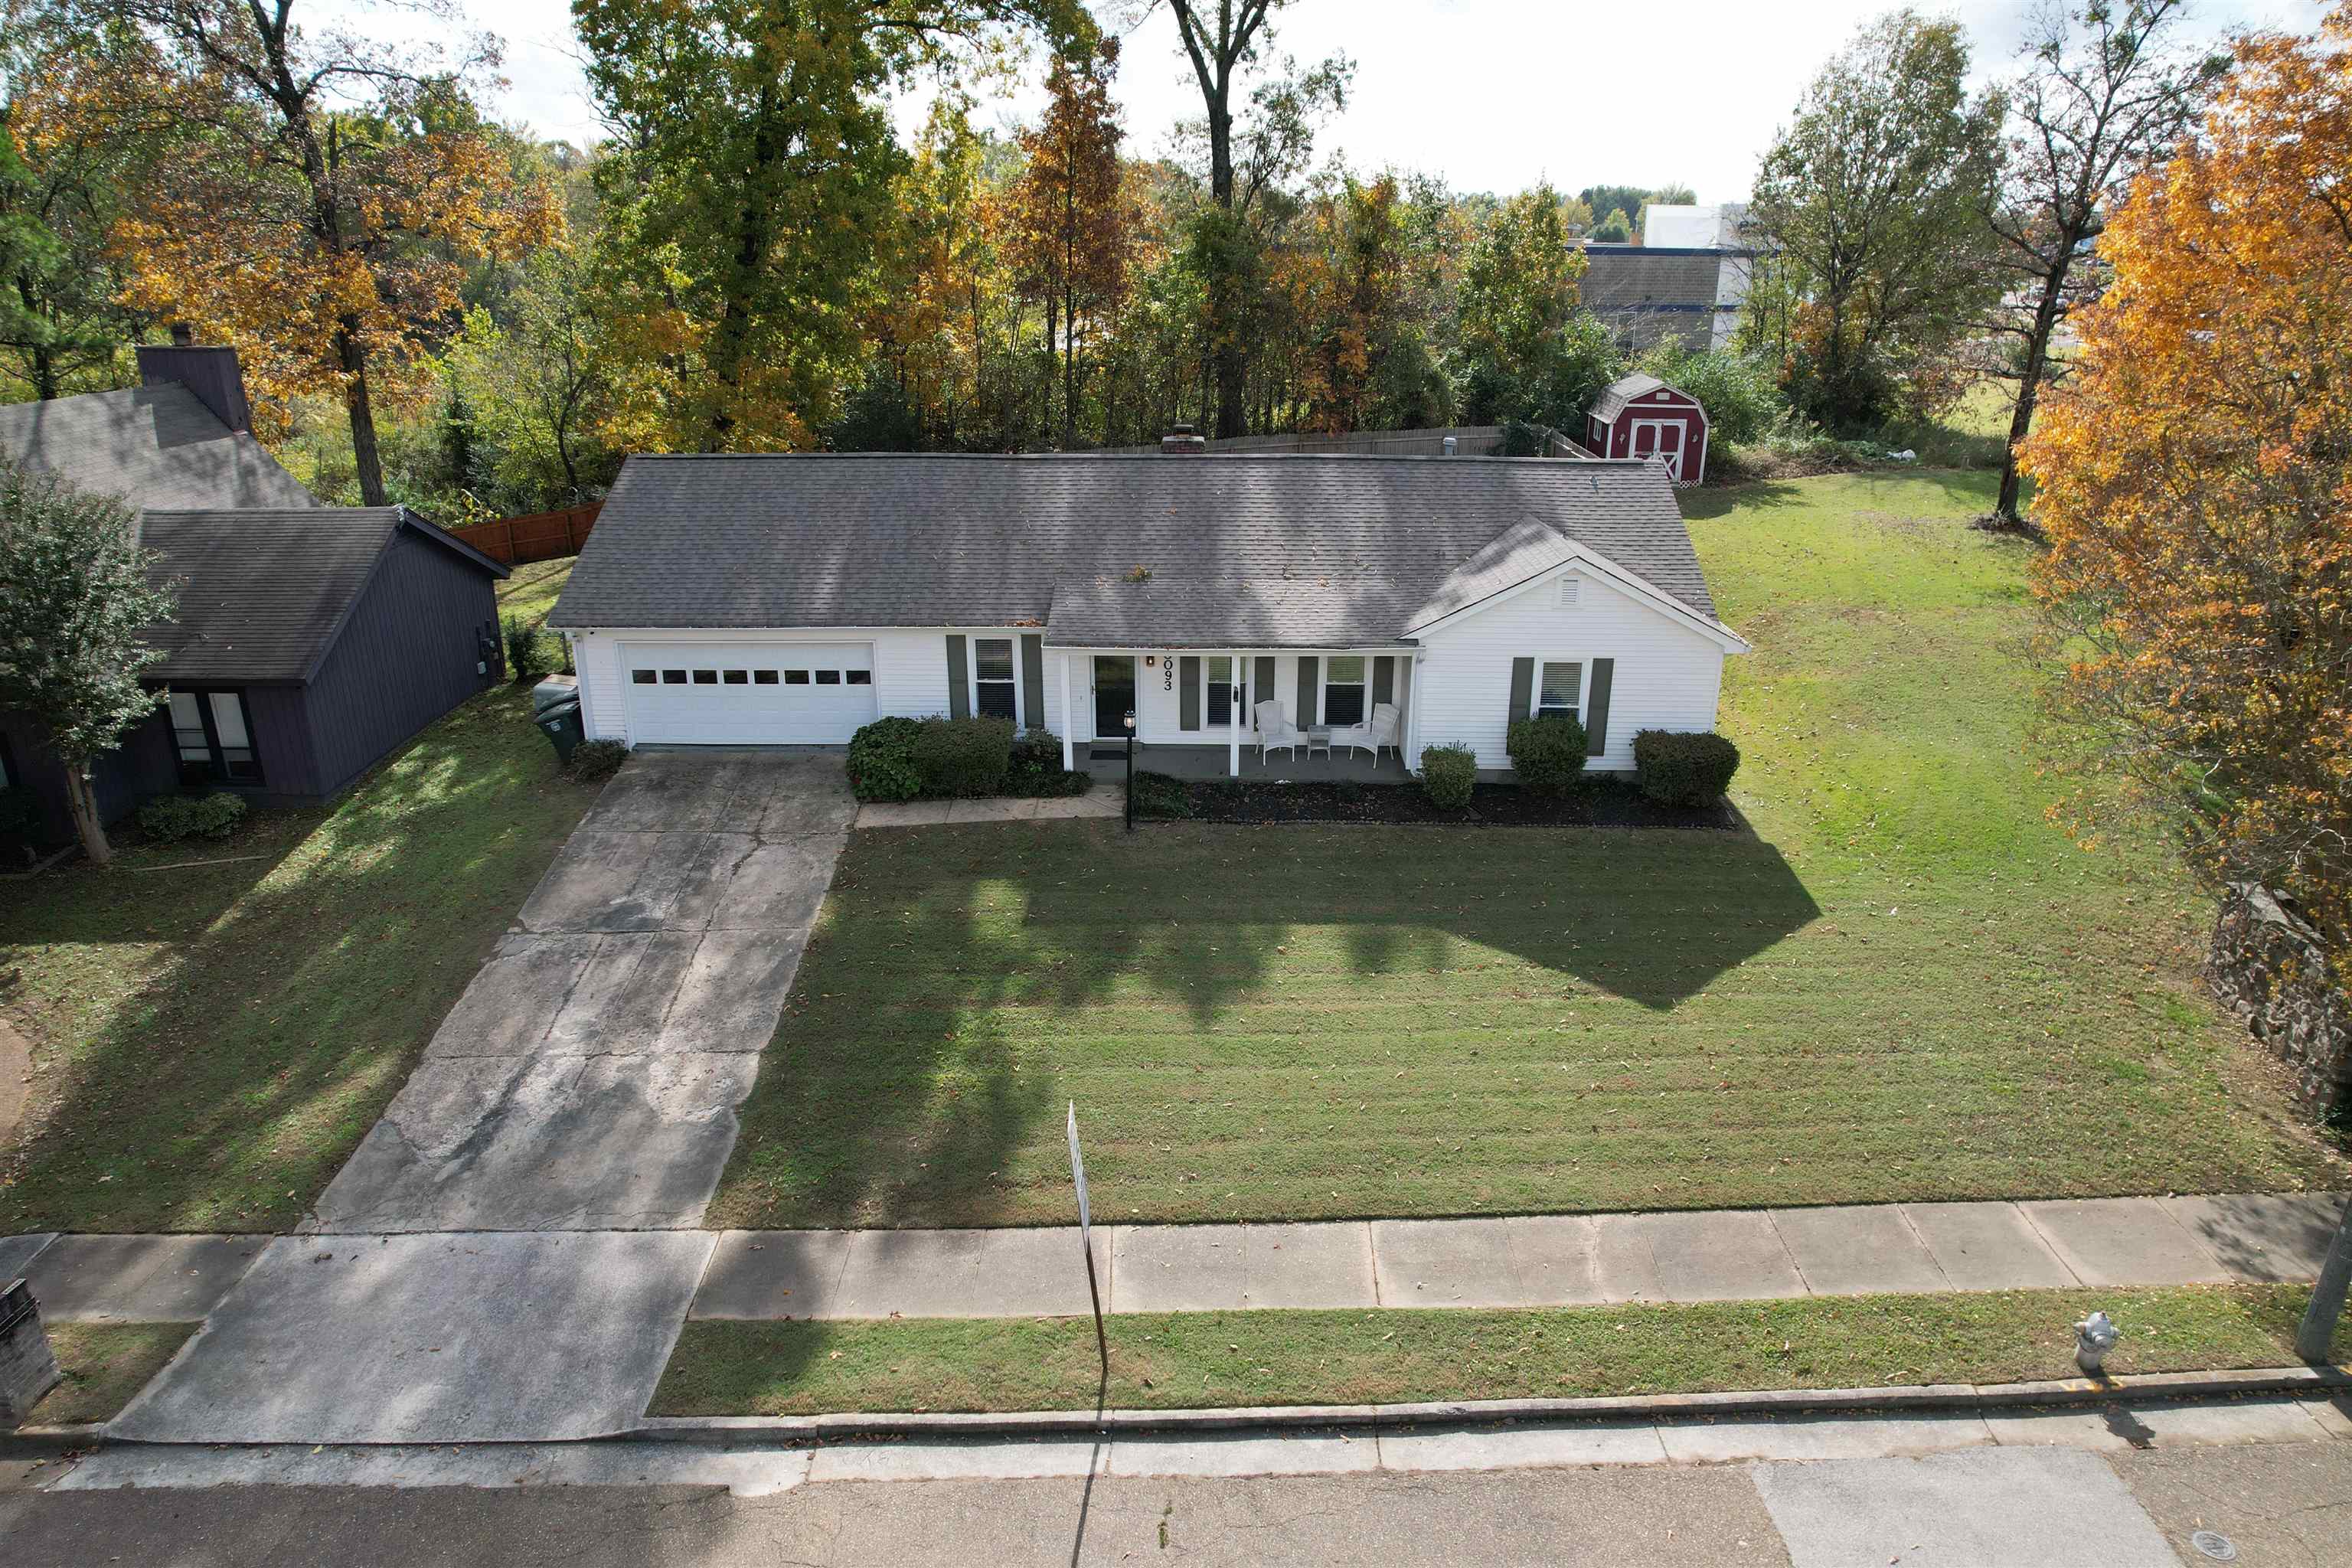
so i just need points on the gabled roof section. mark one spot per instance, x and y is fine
(1627, 390)
(1525, 550)
(263, 594)
(156, 447)
(1351, 547)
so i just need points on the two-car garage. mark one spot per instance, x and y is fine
(748, 694)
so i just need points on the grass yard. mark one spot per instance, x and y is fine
(530, 593)
(1178, 1360)
(1905, 984)
(105, 1365)
(215, 1024)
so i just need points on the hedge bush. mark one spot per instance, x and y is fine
(963, 757)
(527, 654)
(1546, 753)
(1448, 774)
(1037, 768)
(882, 761)
(1684, 769)
(1161, 796)
(175, 817)
(595, 760)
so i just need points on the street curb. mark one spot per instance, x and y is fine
(48, 1442)
(1657, 1407)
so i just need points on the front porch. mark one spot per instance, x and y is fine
(1108, 760)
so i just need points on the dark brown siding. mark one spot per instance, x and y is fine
(407, 655)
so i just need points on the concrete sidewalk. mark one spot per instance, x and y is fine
(1536, 1261)
(1102, 800)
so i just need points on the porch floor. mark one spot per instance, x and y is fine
(1279, 767)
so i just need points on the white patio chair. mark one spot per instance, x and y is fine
(1273, 730)
(1373, 734)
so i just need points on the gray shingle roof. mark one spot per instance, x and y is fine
(1622, 391)
(153, 446)
(262, 593)
(1262, 551)
(1510, 559)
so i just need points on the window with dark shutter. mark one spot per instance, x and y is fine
(1560, 693)
(992, 676)
(1343, 692)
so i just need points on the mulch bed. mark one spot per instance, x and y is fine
(1596, 802)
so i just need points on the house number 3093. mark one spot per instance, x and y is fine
(1167, 673)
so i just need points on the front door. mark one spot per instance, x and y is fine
(1660, 438)
(1114, 693)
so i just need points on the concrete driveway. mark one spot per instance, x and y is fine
(588, 1077)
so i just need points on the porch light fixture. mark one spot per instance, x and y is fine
(1130, 770)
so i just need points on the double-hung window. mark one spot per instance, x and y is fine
(1343, 690)
(1559, 694)
(214, 737)
(992, 676)
(1218, 679)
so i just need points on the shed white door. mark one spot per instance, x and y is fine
(1660, 438)
(748, 694)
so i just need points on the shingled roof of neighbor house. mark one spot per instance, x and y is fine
(153, 446)
(263, 593)
(1262, 551)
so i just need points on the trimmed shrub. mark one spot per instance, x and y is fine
(963, 757)
(1158, 795)
(176, 816)
(593, 760)
(1448, 774)
(1037, 768)
(882, 761)
(526, 650)
(1684, 769)
(1546, 753)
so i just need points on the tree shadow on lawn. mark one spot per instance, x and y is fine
(894, 1085)
(226, 1090)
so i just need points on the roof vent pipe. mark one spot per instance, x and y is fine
(184, 336)
(1446, 448)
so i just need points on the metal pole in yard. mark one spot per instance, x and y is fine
(2317, 1336)
(1130, 787)
(1086, 1243)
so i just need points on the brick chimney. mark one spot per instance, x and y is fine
(211, 373)
(1183, 442)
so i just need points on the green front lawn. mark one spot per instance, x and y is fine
(1179, 1360)
(215, 1024)
(531, 592)
(1908, 984)
(104, 1365)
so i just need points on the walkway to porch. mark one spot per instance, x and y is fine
(1105, 759)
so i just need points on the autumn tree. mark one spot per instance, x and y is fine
(1872, 202)
(66, 160)
(2195, 481)
(1223, 43)
(2104, 92)
(1528, 351)
(757, 170)
(320, 201)
(1066, 222)
(74, 601)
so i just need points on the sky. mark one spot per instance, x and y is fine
(1491, 94)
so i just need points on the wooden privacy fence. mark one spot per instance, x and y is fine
(541, 536)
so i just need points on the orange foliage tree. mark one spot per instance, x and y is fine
(1067, 225)
(2196, 483)
(320, 203)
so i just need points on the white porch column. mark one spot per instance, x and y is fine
(1069, 751)
(1233, 718)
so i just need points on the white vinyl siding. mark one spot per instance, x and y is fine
(1667, 675)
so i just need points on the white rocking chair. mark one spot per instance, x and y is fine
(1373, 734)
(1273, 730)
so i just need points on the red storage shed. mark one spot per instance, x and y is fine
(1642, 416)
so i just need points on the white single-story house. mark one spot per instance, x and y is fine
(789, 599)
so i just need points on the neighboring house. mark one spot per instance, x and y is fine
(1687, 280)
(309, 640)
(1640, 416)
(789, 600)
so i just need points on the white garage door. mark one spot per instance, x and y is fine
(748, 694)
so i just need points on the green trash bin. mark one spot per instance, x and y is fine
(560, 724)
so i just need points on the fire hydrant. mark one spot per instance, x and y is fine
(2095, 1336)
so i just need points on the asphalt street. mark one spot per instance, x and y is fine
(2060, 1505)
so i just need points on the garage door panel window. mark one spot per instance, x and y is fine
(644, 676)
(706, 678)
(859, 677)
(796, 678)
(738, 678)
(828, 678)
(993, 688)
(763, 677)
(673, 677)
